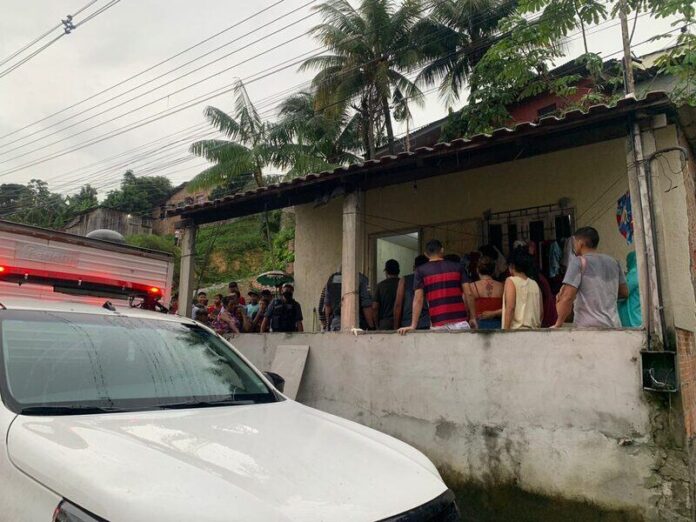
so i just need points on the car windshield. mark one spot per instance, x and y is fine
(67, 363)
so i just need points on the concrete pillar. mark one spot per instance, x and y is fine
(351, 260)
(188, 256)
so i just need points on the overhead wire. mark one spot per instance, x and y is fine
(169, 82)
(610, 55)
(144, 71)
(212, 93)
(44, 35)
(68, 29)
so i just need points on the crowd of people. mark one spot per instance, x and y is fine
(261, 311)
(445, 292)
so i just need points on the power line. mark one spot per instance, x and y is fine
(68, 27)
(215, 95)
(188, 73)
(144, 71)
(44, 35)
(639, 44)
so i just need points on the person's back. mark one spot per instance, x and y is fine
(527, 311)
(385, 296)
(441, 281)
(409, 292)
(597, 278)
(592, 285)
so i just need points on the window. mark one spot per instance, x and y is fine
(537, 224)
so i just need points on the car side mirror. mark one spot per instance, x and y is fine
(276, 379)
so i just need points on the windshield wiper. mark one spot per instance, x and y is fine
(68, 410)
(227, 401)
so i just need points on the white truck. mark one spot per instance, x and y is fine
(55, 266)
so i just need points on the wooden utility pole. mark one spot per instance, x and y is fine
(629, 82)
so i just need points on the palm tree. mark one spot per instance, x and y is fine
(308, 140)
(370, 50)
(245, 151)
(454, 38)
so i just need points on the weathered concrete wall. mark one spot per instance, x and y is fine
(593, 177)
(318, 245)
(560, 413)
(110, 219)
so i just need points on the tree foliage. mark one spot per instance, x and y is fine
(139, 194)
(370, 50)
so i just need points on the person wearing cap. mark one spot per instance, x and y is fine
(284, 314)
(385, 297)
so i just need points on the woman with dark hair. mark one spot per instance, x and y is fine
(522, 302)
(487, 295)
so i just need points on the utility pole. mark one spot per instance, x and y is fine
(641, 197)
(629, 82)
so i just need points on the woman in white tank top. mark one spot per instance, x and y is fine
(522, 302)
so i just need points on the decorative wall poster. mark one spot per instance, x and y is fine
(624, 217)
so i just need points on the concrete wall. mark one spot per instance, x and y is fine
(107, 218)
(318, 245)
(558, 413)
(593, 177)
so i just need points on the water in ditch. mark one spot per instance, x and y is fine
(511, 504)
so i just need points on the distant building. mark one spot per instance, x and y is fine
(162, 224)
(111, 219)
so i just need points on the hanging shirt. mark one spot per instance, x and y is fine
(442, 281)
(555, 254)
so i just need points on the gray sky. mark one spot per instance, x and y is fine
(136, 34)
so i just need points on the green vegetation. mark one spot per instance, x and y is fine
(139, 194)
(34, 204)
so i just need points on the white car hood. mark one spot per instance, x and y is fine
(280, 461)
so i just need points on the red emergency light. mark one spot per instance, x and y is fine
(64, 281)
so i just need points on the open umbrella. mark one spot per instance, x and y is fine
(274, 278)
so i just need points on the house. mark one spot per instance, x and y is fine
(546, 104)
(605, 417)
(97, 218)
(162, 224)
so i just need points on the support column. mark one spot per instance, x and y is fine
(351, 260)
(186, 272)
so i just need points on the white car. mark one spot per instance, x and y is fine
(130, 416)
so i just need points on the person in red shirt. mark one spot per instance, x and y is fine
(441, 283)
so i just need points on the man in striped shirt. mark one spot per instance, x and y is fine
(441, 283)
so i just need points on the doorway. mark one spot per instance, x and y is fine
(402, 247)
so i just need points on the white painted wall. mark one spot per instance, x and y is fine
(546, 410)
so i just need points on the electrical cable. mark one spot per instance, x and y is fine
(188, 73)
(636, 44)
(69, 27)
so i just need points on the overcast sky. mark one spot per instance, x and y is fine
(136, 34)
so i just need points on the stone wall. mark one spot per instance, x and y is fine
(556, 413)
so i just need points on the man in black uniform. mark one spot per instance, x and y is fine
(284, 314)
